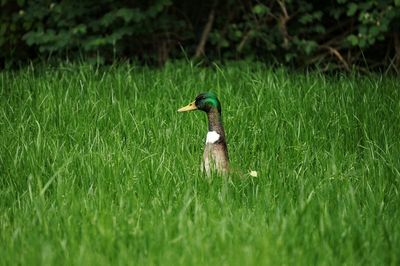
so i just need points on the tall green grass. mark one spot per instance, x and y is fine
(98, 168)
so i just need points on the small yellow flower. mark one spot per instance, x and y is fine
(253, 173)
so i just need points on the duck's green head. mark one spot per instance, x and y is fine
(206, 102)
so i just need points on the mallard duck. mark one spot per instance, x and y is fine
(215, 156)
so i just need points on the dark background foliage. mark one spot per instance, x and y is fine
(328, 34)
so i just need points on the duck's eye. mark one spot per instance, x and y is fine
(200, 97)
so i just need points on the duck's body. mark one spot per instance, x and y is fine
(215, 156)
(216, 150)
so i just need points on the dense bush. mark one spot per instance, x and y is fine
(338, 33)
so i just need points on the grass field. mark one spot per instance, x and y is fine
(98, 168)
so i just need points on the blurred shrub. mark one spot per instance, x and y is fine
(330, 34)
(102, 29)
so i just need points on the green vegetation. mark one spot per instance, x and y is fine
(97, 167)
(327, 34)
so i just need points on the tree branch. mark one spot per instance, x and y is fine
(204, 35)
(283, 19)
(337, 54)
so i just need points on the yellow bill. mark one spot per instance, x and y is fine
(190, 107)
